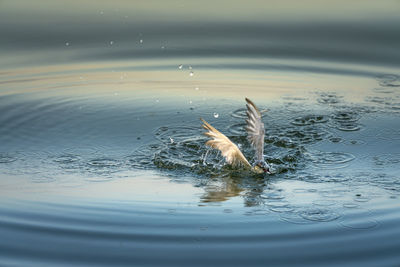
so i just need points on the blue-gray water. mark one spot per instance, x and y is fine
(102, 157)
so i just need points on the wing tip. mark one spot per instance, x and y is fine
(251, 103)
(205, 125)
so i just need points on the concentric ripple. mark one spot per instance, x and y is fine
(309, 120)
(7, 158)
(329, 98)
(389, 80)
(330, 159)
(177, 133)
(319, 214)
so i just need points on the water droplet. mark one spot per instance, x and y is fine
(190, 67)
(111, 42)
(141, 41)
(197, 88)
(191, 73)
(101, 12)
(216, 115)
(190, 102)
(67, 44)
(157, 101)
(180, 66)
(162, 47)
(171, 140)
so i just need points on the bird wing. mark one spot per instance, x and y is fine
(255, 129)
(229, 150)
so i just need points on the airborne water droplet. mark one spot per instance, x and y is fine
(191, 73)
(141, 41)
(67, 44)
(111, 42)
(180, 66)
(216, 115)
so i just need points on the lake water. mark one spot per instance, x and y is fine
(102, 156)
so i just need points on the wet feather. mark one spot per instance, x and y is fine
(229, 150)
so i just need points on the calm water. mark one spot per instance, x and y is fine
(102, 157)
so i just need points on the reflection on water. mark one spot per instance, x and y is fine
(102, 154)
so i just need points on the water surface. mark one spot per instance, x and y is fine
(102, 157)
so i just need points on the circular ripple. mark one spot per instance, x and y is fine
(272, 195)
(67, 159)
(330, 159)
(102, 166)
(282, 209)
(309, 120)
(7, 158)
(329, 98)
(99, 178)
(389, 80)
(176, 133)
(43, 179)
(383, 90)
(81, 151)
(295, 218)
(348, 126)
(239, 113)
(104, 163)
(284, 142)
(293, 98)
(300, 191)
(350, 205)
(304, 135)
(387, 159)
(360, 198)
(332, 193)
(324, 202)
(277, 203)
(319, 215)
(356, 142)
(359, 224)
(346, 116)
(238, 129)
(335, 139)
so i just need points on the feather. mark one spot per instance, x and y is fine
(229, 150)
(255, 129)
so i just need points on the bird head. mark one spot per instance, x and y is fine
(261, 166)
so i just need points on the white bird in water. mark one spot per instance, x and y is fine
(255, 134)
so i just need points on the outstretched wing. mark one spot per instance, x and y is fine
(255, 129)
(229, 150)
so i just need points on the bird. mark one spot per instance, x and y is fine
(230, 151)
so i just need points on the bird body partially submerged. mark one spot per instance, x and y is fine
(231, 152)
